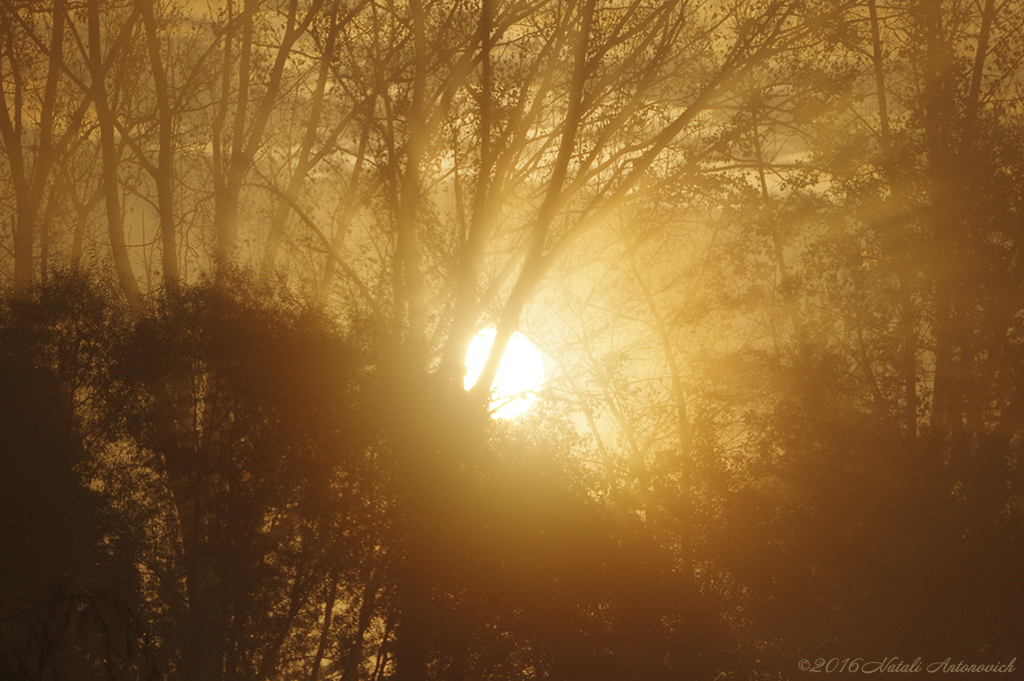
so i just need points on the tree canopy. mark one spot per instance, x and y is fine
(768, 250)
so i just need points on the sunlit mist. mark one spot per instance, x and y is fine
(764, 262)
(520, 374)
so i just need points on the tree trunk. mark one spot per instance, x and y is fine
(105, 118)
(165, 156)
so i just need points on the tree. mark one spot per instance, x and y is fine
(885, 425)
(38, 121)
(785, 344)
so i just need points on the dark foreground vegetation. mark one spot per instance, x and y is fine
(772, 252)
(225, 485)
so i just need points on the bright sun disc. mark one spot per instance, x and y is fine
(521, 372)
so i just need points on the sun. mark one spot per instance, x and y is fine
(520, 374)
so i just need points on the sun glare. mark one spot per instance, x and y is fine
(521, 372)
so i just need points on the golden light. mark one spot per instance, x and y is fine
(520, 374)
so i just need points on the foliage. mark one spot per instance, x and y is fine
(769, 249)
